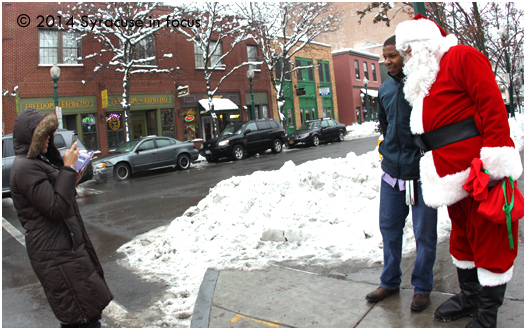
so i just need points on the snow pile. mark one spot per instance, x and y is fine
(323, 212)
(366, 129)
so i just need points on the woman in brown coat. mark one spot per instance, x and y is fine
(60, 251)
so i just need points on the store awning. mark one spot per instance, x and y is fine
(219, 105)
(370, 92)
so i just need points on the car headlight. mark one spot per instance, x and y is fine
(100, 165)
(302, 136)
(223, 143)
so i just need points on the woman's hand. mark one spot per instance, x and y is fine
(71, 156)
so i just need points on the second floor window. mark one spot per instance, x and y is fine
(365, 70)
(252, 54)
(215, 58)
(373, 69)
(278, 72)
(145, 49)
(357, 69)
(59, 46)
(324, 71)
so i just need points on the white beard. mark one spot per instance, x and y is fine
(421, 70)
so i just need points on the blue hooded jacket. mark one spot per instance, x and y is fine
(401, 156)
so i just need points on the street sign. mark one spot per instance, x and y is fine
(104, 96)
(58, 112)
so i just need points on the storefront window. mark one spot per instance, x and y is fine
(89, 131)
(168, 122)
(190, 123)
(115, 129)
(151, 120)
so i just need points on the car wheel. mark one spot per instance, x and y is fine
(122, 171)
(238, 152)
(183, 162)
(341, 136)
(315, 141)
(277, 146)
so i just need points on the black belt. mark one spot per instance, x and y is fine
(446, 135)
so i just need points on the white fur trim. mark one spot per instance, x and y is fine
(463, 264)
(416, 30)
(416, 123)
(487, 278)
(439, 191)
(501, 162)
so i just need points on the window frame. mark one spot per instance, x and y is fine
(198, 51)
(59, 47)
(373, 70)
(365, 70)
(250, 66)
(357, 69)
(136, 52)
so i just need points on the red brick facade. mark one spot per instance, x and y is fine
(21, 69)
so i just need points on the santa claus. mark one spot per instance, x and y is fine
(459, 116)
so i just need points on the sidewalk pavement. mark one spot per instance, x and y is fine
(286, 296)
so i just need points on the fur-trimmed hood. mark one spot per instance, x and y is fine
(30, 131)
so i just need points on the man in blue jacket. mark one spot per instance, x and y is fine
(400, 188)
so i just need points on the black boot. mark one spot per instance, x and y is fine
(490, 299)
(464, 303)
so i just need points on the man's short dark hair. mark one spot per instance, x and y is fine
(390, 42)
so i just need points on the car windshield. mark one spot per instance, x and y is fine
(309, 125)
(233, 129)
(127, 147)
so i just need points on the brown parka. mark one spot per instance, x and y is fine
(58, 246)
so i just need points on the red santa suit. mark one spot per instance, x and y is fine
(464, 87)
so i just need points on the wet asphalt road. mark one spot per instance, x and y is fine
(115, 213)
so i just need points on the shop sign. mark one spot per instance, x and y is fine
(325, 91)
(300, 91)
(183, 91)
(104, 97)
(63, 104)
(114, 121)
(143, 100)
(189, 118)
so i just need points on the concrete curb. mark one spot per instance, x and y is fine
(203, 303)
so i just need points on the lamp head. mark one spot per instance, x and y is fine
(365, 81)
(55, 71)
(250, 74)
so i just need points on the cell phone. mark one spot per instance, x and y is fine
(83, 160)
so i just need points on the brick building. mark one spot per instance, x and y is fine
(171, 104)
(352, 68)
(357, 49)
(28, 54)
(310, 93)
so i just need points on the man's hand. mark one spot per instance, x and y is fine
(71, 156)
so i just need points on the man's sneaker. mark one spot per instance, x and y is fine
(420, 302)
(380, 294)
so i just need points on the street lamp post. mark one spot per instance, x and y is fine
(250, 76)
(504, 38)
(365, 82)
(55, 73)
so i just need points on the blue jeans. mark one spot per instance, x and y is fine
(393, 213)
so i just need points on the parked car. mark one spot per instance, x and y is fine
(238, 140)
(312, 132)
(144, 154)
(63, 141)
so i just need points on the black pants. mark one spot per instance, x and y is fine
(95, 323)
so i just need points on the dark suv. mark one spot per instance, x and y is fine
(63, 140)
(240, 139)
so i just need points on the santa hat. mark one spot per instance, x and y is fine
(421, 28)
